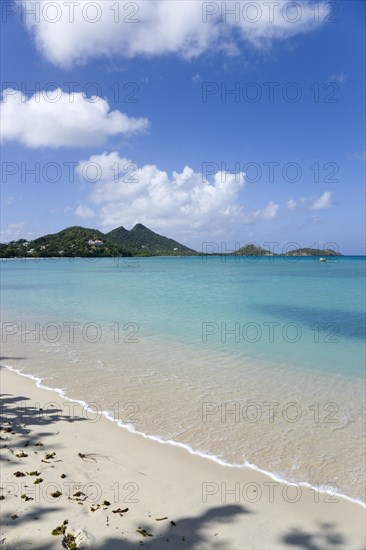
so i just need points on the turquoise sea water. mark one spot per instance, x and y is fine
(175, 333)
(295, 310)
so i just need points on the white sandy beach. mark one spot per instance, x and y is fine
(127, 491)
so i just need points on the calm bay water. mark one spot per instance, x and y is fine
(250, 360)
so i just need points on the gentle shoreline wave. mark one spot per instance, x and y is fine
(159, 439)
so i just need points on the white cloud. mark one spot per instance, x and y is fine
(269, 212)
(312, 203)
(13, 232)
(62, 120)
(340, 78)
(74, 32)
(84, 212)
(185, 201)
(325, 201)
(291, 204)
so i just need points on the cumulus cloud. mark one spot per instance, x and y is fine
(312, 203)
(267, 213)
(185, 201)
(325, 201)
(76, 31)
(84, 212)
(291, 204)
(61, 119)
(340, 78)
(15, 231)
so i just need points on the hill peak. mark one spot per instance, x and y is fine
(143, 241)
(140, 226)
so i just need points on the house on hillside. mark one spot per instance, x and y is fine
(97, 242)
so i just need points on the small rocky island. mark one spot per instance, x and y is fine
(81, 242)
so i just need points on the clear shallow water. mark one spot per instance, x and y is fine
(189, 340)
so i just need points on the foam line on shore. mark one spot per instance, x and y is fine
(158, 439)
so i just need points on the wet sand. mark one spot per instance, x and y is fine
(103, 487)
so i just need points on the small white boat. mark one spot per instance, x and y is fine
(323, 260)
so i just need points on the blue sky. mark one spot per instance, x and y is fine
(298, 155)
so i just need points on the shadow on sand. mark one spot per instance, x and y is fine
(17, 417)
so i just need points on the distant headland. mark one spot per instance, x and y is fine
(139, 241)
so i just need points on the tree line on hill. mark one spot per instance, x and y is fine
(139, 241)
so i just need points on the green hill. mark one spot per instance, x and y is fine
(73, 241)
(144, 242)
(313, 252)
(252, 250)
(140, 241)
(84, 242)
